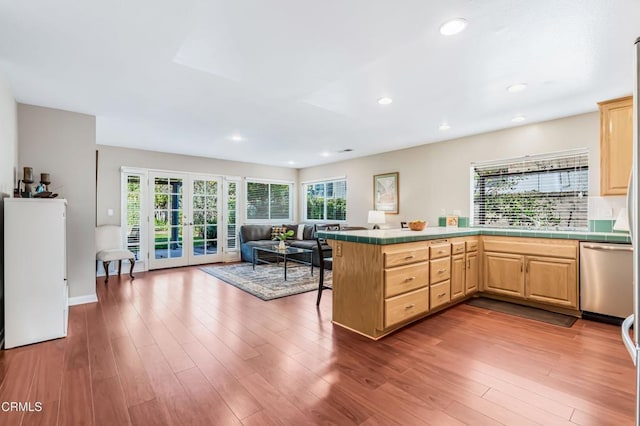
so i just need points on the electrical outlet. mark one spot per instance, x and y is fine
(339, 250)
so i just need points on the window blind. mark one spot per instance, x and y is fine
(268, 201)
(548, 191)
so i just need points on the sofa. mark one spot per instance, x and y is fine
(260, 236)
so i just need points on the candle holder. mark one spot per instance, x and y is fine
(27, 180)
(45, 180)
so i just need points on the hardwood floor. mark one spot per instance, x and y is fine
(181, 347)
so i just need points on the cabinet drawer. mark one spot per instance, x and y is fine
(472, 245)
(440, 269)
(400, 308)
(440, 294)
(405, 278)
(398, 255)
(457, 248)
(440, 250)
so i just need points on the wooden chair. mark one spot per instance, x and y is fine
(109, 247)
(325, 262)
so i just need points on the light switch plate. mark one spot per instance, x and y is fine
(109, 212)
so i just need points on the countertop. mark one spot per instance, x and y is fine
(394, 236)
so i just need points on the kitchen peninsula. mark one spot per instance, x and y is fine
(386, 279)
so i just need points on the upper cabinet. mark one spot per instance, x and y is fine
(616, 134)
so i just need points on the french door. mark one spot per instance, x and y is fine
(184, 219)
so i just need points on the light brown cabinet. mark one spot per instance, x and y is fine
(458, 273)
(532, 269)
(551, 280)
(473, 268)
(616, 135)
(504, 274)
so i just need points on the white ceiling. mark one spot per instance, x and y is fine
(296, 78)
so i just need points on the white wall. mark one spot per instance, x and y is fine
(8, 163)
(111, 159)
(436, 176)
(63, 144)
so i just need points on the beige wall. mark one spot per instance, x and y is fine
(111, 159)
(8, 162)
(436, 176)
(63, 144)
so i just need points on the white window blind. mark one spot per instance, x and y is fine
(534, 191)
(133, 211)
(268, 201)
(326, 200)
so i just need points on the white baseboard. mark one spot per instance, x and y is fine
(81, 300)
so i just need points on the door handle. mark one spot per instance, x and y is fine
(610, 248)
(628, 343)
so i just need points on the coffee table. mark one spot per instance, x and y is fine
(282, 255)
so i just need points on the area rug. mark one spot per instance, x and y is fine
(267, 281)
(523, 311)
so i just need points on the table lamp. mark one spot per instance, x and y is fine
(376, 217)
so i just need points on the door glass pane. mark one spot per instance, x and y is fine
(212, 202)
(198, 248)
(198, 187)
(198, 217)
(198, 232)
(212, 232)
(168, 217)
(212, 247)
(198, 202)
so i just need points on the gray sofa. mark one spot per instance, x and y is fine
(260, 236)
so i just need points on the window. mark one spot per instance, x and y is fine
(326, 200)
(134, 184)
(268, 201)
(533, 191)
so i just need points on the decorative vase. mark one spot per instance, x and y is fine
(282, 245)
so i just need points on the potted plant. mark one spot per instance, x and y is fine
(282, 237)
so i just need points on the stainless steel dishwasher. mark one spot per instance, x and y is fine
(606, 281)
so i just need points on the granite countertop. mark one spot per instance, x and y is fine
(394, 236)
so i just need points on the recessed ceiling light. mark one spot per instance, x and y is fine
(518, 87)
(444, 126)
(237, 138)
(518, 118)
(291, 163)
(385, 101)
(326, 154)
(453, 26)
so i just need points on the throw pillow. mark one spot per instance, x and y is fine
(277, 230)
(300, 233)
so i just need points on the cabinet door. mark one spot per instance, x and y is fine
(551, 280)
(616, 135)
(504, 274)
(458, 269)
(471, 274)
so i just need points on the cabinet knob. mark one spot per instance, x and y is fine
(442, 271)
(411, 256)
(442, 294)
(410, 278)
(410, 306)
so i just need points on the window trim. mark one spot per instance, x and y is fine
(291, 185)
(303, 189)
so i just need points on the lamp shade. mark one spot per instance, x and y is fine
(376, 217)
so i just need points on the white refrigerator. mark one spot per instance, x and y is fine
(35, 273)
(634, 212)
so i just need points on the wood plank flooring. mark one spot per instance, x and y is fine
(179, 347)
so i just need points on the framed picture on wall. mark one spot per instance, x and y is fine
(385, 193)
